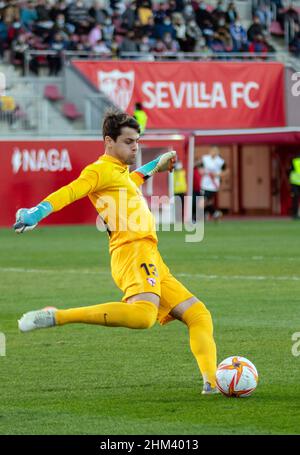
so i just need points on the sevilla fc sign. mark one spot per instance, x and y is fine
(194, 95)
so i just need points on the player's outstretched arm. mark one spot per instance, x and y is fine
(27, 219)
(164, 162)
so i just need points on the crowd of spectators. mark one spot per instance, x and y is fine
(110, 28)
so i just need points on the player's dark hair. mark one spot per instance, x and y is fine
(115, 120)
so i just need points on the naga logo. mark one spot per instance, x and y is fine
(118, 86)
(51, 160)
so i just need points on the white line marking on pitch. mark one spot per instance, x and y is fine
(188, 275)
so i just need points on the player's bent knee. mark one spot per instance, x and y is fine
(197, 312)
(147, 312)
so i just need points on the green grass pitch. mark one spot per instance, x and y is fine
(82, 379)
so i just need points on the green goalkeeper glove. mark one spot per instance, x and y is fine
(165, 162)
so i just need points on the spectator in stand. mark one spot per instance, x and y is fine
(255, 29)
(264, 13)
(83, 44)
(11, 13)
(73, 44)
(58, 44)
(3, 37)
(166, 27)
(295, 42)
(203, 17)
(144, 12)
(201, 47)
(189, 13)
(129, 17)
(108, 31)
(225, 37)
(101, 48)
(145, 46)
(159, 47)
(129, 44)
(99, 13)
(160, 13)
(231, 14)
(193, 35)
(60, 26)
(239, 36)
(95, 34)
(219, 12)
(171, 44)
(59, 7)
(78, 15)
(172, 8)
(180, 29)
(149, 30)
(258, 45)
(19, 47)
(28, 15)
(216, 44)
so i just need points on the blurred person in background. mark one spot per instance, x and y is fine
(239, 36)
(140, 116)
(99, 13)
(129, 16)
(101, 48)
(294, 178)
(196, 190)
(7, 108)
(255, 29)
(180, 189)
(231, 13)
(171, 44)
(144, 12)
(58, 44)
(212, 169)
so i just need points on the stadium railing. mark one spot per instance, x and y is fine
(67, 56)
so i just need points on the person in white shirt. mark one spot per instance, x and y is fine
(212, 169)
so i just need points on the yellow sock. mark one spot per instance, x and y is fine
(199, 322)
(137, 315)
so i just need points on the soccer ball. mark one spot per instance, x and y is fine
(236, 377)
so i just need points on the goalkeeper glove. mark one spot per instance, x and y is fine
(27, 219)
(165, 162)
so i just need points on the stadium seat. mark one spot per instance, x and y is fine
(70, 111)
(52, 93)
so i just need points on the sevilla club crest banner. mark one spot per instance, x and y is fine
(194, 95)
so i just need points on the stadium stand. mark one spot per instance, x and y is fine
(40, 37)
(39, 34)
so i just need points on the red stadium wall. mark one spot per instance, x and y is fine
(194, 95)
(32, 169)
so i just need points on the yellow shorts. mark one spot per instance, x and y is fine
(138, 267)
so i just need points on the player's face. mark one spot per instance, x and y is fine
(125, 148)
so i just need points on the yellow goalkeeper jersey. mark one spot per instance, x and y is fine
(115, 194)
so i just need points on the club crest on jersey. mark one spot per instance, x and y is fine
(151, 281)
(118, 86)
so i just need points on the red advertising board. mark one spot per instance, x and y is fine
(194, 95)
(32, 169)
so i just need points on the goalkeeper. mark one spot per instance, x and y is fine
(150, 291)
